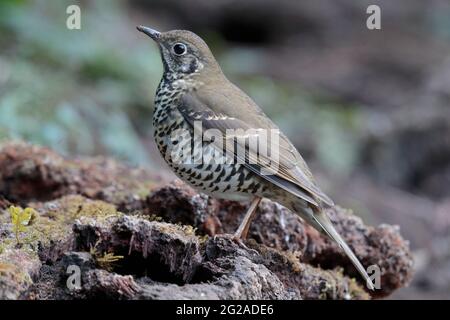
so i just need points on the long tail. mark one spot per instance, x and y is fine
(327, 226)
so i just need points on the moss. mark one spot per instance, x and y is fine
(274, 258)
(45, 231)
(145, 191)
(188, 230)
(165, 227)
(74, 207)
(107, 261)
(328, 284)
(203, 239)
(356, 292)
(15, 273)
(150, 218)
(55, 221)
(5, 244)
(293, 259)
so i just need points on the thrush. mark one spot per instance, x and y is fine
(194, 93)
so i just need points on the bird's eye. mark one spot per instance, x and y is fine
(179, 49)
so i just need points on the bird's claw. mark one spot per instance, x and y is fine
(236, 239)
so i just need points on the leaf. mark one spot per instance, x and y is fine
(27, 217)
(21, 219)
(14, 213)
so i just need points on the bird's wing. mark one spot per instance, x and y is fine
(280, 163)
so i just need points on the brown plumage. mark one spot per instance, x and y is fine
(194, 90)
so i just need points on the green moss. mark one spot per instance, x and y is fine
(5, 244)
(356, 291)
(105, 260)
(150, 218)
(55, 224)
(293, 260)
(203, 239)
(74, 207)
(145, 191)
(188, 230)
(329, 285)
(273, 257)
(45, 231)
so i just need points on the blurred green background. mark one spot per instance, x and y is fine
(369, 110)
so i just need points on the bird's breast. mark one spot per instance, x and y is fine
(191, 158)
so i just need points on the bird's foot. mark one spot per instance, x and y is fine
(238, 240)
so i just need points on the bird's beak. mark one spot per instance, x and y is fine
(155, 35)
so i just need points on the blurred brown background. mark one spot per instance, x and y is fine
(369, 110)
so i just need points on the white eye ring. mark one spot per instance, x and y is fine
(179, 48)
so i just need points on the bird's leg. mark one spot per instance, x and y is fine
(241, 232)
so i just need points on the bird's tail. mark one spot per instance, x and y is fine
(322, 219)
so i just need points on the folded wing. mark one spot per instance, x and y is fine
(275, 160)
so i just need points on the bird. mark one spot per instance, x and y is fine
(204, 126)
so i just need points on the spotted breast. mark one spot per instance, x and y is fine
(191, 158)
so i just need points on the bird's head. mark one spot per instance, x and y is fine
(182, 52)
